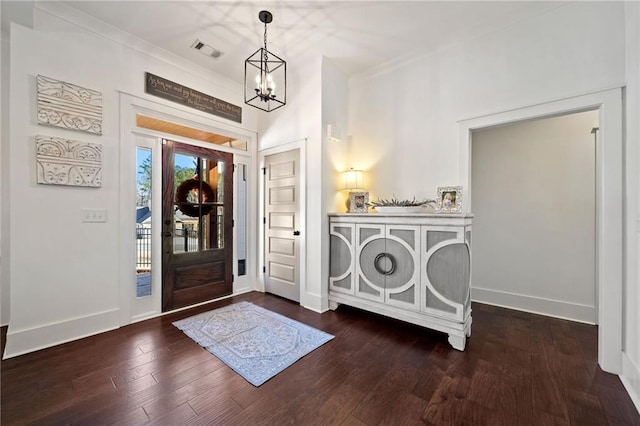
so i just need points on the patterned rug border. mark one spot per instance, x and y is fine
(259, 369)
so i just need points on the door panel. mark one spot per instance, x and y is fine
(197, 218)
(282, 214)
(194, 275)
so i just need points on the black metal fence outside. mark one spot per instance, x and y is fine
(143, 249)
(184, 240)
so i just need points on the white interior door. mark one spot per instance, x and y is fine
(282, 224)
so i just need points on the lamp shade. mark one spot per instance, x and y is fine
(352, 180)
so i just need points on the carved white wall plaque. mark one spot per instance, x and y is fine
(68, 162)
(69, 106)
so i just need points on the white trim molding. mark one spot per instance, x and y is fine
(609, 192)
(630, 378)
(313, 302)
(535, 305)
(20, 342)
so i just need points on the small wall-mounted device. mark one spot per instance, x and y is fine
(94, 215)
(333, 133)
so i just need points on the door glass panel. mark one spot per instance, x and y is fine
(213, 221)
(143, 222)
(199, 197)
(186, 205)
(241, 222)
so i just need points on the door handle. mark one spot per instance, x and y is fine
(296, 233)
(168, 234)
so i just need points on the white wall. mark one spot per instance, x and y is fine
(19, 12)
(335, 114)
(4, 110)
(631, 294)
(64, 274)
(534, 216)
(402, 118)
(334, 154)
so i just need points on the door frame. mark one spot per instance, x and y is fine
(609, 192)
(289, 146)
(247, 282)
(131, 105)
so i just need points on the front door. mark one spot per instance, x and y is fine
(197, 203)
(282, 225)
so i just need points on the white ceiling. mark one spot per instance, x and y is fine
(356, 35)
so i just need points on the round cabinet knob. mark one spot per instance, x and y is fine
(391, 260)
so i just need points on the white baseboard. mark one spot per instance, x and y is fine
(241, 290)
(313, 302)
(630, 378)
(20, 342)
(536, 305)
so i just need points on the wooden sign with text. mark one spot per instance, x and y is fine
(178, 93)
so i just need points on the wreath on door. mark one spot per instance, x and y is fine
(194, 209)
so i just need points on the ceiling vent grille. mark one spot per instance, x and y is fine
(206, 49)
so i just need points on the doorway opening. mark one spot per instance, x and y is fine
(609, 189)
(534, 211)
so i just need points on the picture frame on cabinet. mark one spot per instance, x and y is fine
(358, 202)
(449, 199)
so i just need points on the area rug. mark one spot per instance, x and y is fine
(255, 342)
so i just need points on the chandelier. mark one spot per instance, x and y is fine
(265, 75)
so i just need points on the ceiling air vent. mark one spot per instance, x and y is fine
(206, 49)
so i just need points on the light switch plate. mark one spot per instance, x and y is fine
(94, 215)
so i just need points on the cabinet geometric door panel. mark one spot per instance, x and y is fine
(413, 268)
(369, 283)
(387, 257)
(446, 272)
(342, 257)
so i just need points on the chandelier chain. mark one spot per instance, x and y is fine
(265, 44)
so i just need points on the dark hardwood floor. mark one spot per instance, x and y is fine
(518, 369)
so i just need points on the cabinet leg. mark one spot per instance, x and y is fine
(333, 305)
(457, 342)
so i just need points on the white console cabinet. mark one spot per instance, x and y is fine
(413, 267)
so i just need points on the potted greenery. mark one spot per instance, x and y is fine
(394, 205)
